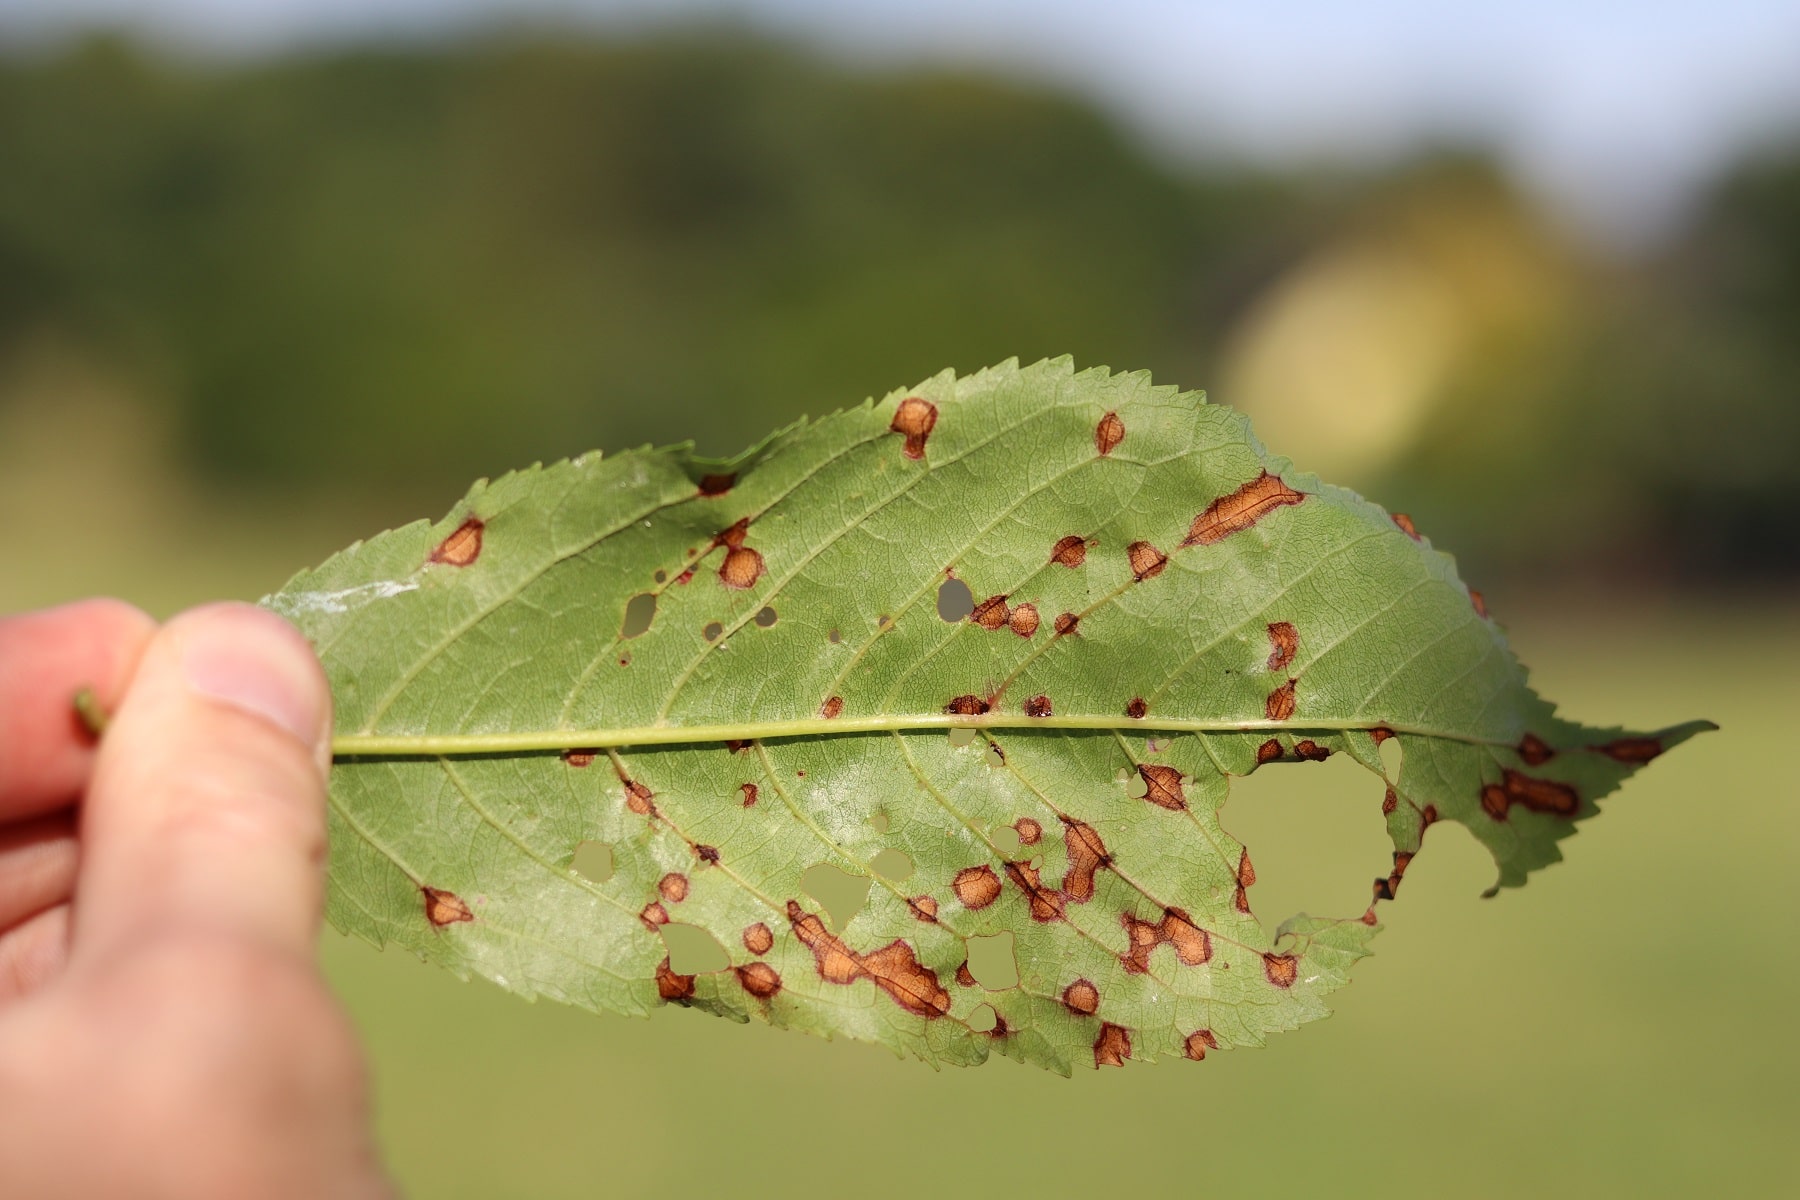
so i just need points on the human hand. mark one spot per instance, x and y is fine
(164, 1029)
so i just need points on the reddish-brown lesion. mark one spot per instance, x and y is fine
(924, 908)
(1535, 750)
(743, 566)
(1385, 889)
(1136, 708)
(1046, 904)
(1406, 526)
(1113, 1046)
(1081, 998)
(1024, 620)
(1539, 795)
(671, 987)
(1479, 603)
(1198, 1043)
(991, 613)
(894, 968)
(976, 887)
(1163, 786)
(716, 485)
(463, 546)
(1280, 704)
(1241, 509)
(759, 979)
(1147, 562)
(964, 978)
(654, 916)
(1282, 969)
(1066, 624)
(1193, 945)
(758, 938)
(673, 887)
(1086, 854)
(1633, 751)
(444, 908)
(580, 758)
(1070, 551)
(1284, 643)
(1039, 706)
(1029, 831)
(966, 706)
(1268, 752)
(750, 793)
(1108, 433)
(1310, 751)
(914, 420)
(1246, 876)
(833, 708)
(638, 798)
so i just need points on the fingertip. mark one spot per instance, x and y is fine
(253, 660)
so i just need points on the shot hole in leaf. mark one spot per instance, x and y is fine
(640, 611)
(892, 864)
(992, 962)
(593, 861)
(954, 601)
(962, 737)
(984, 1019)
(1006, 840)
(766, 617)
(879, 822)
(692, 950)
(842, 894)
(1391, 757)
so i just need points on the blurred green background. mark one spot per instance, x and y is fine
(254, 305)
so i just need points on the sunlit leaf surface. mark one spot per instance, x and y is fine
(916, 723)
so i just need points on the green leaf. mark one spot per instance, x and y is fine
(975, 664)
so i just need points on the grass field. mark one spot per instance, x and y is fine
(1622, 1026)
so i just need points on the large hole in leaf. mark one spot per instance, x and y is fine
(593, 861)
(640, 610)
(842, 893)
(1315, 834)
(892, 864)
(1006, 840)
(955, 601)
(992, 963)
(984, 1019)
(692, 950)
(1391, 755)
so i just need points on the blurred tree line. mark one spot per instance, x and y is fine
(387, 270)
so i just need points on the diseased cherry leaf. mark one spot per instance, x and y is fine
(826, 734)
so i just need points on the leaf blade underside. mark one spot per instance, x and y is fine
(1157, 605)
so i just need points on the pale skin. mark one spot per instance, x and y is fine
(164, 1029)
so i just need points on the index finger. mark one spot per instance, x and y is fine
(46, 754)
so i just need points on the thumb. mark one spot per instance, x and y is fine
(206, 811)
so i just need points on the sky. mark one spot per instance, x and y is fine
(1616, 112)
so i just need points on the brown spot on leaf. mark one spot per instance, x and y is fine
(749, 791)
(759, 979)
(757, 938)
(1246, 872)
(1429, 816)
(1038, 706)
(1479, 603)
(832, 708)
(894, 968)
(742, 568)
(736, 746)
(1535, 750)
(1389, 802)
(1193, 945)
(1538, 795)
(1113, 1046)
(673, 887)
(1070, 551)
(654, 915)
(1311, 751)
(580, 758)
(1135, 708)
(1000, 1028)
(1147, 562)
(1268, 752)
(672, 987)
(991, 613)
(966, 706)
(1024, 620)
(963, 975)
(976, 887)
(1086, 854)
(1198, 1043)
(1282, 969)
(1109, 433)
(924, 908)
(1280, 704)
(1380, 734)
(1046, 903)
(706, 854)
(1066, 624)
(1029, 831)
(463, 546)
(444, 908)
(1630, 750)
(914, 420)
(638, 798)
(1284, 642)
(1081, 998)
(1162, 786)
(685, 577)
(1240, 510)
(716, 485)
(1406, 526)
